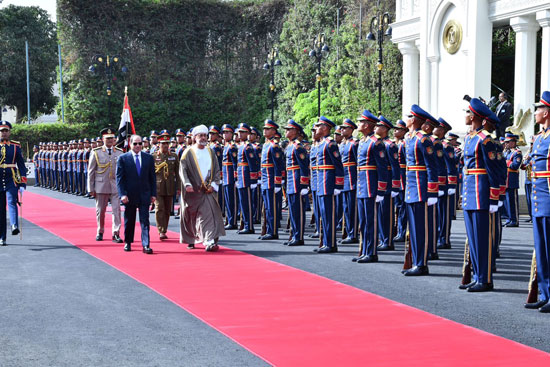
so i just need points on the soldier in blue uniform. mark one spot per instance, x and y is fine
(446, 202)
(272, 166)
(229, 174)
(297, 181)
(527, 166)
(400, 208)
(348, 151)
(541, 202)
(313, 183)
(338, 200)
(481, 194)
(257, 200)
(421, 188)
(214, 137)
(386, 214)
(372, 183)
(154, 136)
(330, 182)
(247, 177)
(86, 158)
(513, 162)
(13, 178)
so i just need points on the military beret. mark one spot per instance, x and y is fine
(384, 122)
(544, 100)
(367, 116)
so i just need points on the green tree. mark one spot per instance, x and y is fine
(17, 24)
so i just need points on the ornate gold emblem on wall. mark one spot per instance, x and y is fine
(452, 36)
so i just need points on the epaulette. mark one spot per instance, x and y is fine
(482, 134)
(96, 148)
(120, 150)
(420, 134)
(15, 142)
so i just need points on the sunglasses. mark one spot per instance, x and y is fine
(140, 143)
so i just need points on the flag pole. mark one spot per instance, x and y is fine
(127, 122)
(28, 83)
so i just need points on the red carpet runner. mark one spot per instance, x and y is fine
(284, 315)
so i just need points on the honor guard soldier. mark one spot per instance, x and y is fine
(154, 141)
(527, 166)
(513, 162)
(168, 182)
(180, 139)
(348, 151)
(386, 214)
(74, 166)
(481, 194)
(330, 182)
(229, 176)
(47, 172)
(313, 183)
(189, 138)
(85, 159)
(257, 203)
(66, 152)
(146, 144)
(279, 195)
(102, 183)
(297, 182)
(421, 188)
(400, 208)
(447, 201)
(372, 183)
(339, 208)
(35, 154)
(247, 177)
(13, 179)
(272, 166)
(214, 137)
(54, 165)
(541, 202)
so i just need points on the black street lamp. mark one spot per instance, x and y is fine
(108, 63)
(272, 61)
(378, 24)
(319, 50)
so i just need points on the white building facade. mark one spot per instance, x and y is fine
(447, 51)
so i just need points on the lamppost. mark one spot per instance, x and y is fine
(377, 25)
(272, 61)
(108, 63)
(319, 50)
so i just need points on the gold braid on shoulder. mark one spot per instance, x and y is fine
(103, 167)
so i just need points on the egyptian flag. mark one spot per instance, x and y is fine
(126, 126)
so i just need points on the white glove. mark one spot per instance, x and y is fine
(500, 203)
(379, 198)
(394, 194)
(304, 192)
(21, 189)
(337, 192)
(277, 189)
(253, 186)
(440, 193)
(432, 201)
(451, 191)
(215, 186)
(493, 208)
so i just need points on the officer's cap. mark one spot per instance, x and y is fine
(291, 124)
(270, 124)
(154, 133)
(444, 124)
(108, 132)
(244, 127)
(418, 112)
(213, 129)
(480, 109)
(338, 130)
(492, 118)
(348, 123)
(400, 124)
(146, 138)
(384, 122)
(164, 136)
(367, 116)
(85, 140)
(256, 131)
(180, 132)
(190, 133)
(510, 137)
(544, 100)
(5, 125)
(227, 127)
(324, 120)
(451, 136)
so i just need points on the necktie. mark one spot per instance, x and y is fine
(109, 151)
(138, 166)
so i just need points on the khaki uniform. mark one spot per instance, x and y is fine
(168, 182)
(102, 180)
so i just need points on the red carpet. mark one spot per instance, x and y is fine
(284, 315)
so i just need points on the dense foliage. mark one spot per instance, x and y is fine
(17, 25)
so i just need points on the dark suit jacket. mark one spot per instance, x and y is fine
(139, 189)
(504, 113)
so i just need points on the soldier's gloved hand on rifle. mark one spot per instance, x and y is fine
(253, 186)
(337, 192)
(500, 203)
(277, 190)
(451, 191)
(440, 193)
(394, 194)
(304, 192)
(432, 201)
(379, 198)
(493, 208)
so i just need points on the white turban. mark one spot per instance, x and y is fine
(201, 129)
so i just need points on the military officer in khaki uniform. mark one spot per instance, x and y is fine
(168, 182)
(102, 182)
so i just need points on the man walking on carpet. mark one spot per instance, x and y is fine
(201, 217)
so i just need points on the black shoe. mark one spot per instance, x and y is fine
(466, 286)
(399, 239)
(385, 248)
(268, 237)
(3, 243)
(443, 246)
(417, 271)
(245, 231)
(229, 226)
(511, 225)
(315, 235)
(296, 243)
(99, 237)
(349, 240)
(530, 220)
(116, 238)
(128, 247)
(147, 250)
(481, 287)
(191, 246)
(545, 308)
(368, 259)
(355, 259)
(433, 256)
(535, 305)
(327, 250)
(14, 230)
(497, 255)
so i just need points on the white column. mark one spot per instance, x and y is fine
(543, 17)
(424, 96)
(526, 28)
(434, 84)
(410, 75)
(478, 48)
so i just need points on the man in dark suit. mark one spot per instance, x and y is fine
(137, 188)
(503, 112)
